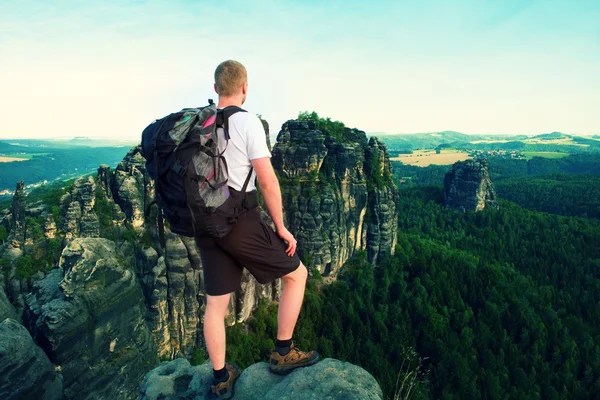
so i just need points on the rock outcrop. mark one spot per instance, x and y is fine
(49, 227)
(132, 188)
(80, 220)
(328, 379)
(265, 125)
(337, 193)
(382, 230)
(16, 238)
(468, 187)
(25, 371)
(88, 315)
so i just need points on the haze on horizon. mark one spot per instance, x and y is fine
(71, 68)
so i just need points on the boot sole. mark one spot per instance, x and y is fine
(287, 369)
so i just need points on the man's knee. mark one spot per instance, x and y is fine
(218, 304)
(298, 275)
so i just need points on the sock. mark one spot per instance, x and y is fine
(283, 346)
(220, 375)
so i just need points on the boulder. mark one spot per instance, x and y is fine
(328, 379)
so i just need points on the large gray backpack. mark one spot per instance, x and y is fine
(190, 174)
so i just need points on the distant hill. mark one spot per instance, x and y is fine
(551, 136)
(14, 148)
(547, 142)
(38, 144)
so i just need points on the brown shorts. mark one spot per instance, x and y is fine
(251, 244)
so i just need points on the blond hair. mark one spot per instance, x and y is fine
(230, 75)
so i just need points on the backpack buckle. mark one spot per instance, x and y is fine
(178, 169)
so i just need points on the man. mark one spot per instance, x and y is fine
(251, 243)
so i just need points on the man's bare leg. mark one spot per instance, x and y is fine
(291, 302)
(214, 328)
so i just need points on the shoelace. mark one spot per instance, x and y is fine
(295, 352)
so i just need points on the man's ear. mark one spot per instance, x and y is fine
(215, 86)
(245, 88)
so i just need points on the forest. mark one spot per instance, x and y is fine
(499, 305)
(564, 194)
(495, 305)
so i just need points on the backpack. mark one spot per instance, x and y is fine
(190, 175)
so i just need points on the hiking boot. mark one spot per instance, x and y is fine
(224, 390)
(296, 358)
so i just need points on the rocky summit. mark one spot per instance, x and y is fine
(468, 187)
(16, 240)
(328, 379)
(338, 194)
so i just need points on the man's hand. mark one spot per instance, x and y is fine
(289, 239)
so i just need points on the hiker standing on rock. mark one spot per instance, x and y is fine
(251, 244)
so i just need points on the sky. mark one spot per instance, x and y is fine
(107, 69)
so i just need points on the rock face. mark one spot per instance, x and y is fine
(382, 231)
(265, 125)
(25, 370)
(88, 315)
(80, 219)
(16, 238)
(468, 187)
(337, 193)
(328, 379)
(49, 227)
(132, 188)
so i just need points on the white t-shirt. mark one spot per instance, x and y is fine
(247, 142)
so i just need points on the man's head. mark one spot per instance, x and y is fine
(231, 80)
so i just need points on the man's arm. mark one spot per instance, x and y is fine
(269, 186)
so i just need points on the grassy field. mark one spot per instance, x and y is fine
(544, 154)
(425, 158)
(5, 158)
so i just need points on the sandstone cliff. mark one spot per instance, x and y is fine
(337, 193)
(328, 379)
(80, 220)
(16, 239)
(88, 316)
(468, 187)
(25, 370)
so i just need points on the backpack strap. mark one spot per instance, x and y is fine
(247, 180)
(223, 116)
